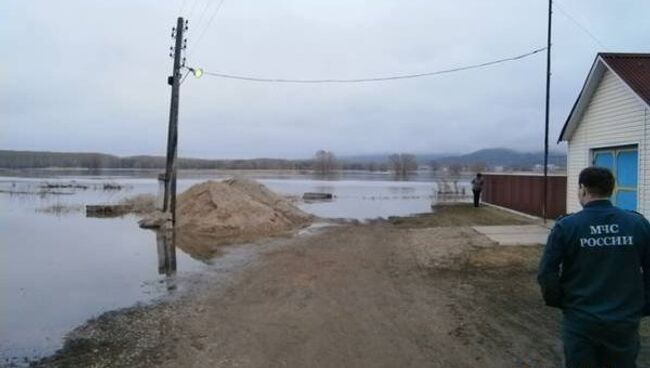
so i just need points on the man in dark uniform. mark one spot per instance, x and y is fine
(596, 268)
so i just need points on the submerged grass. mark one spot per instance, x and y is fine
(60, 209)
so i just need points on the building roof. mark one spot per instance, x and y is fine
(632, 69)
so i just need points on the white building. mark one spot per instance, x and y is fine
(608, 126)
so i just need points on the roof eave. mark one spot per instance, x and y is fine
(588, 88)
(598, 68)
(639, 97)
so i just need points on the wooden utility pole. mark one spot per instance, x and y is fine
(548, 94)
(169, 202)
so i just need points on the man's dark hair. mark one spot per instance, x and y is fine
(599, 181)
(479, 175)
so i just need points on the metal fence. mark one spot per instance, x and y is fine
(524, 193)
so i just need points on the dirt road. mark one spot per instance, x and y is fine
(375, 295)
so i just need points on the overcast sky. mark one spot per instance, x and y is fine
(82, 75)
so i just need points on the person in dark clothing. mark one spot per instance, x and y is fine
(596, 268)
(477, 187)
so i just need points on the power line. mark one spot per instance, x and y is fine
(376, 79)
(185, 77)
(192, 8)
(582, 27)
(205, 29)
(197, 24)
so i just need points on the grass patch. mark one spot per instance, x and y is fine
(460, 214)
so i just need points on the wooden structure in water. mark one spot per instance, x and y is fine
(107, 210)
(312, 196)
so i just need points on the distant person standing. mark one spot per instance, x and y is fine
(477, 187)
(596, 268)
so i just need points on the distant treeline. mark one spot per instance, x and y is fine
(324, 162)
(32, 159)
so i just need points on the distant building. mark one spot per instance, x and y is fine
(608, 126)
(551, 168)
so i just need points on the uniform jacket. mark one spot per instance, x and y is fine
(596, 264)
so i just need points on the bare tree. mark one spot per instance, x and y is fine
(325, 162)
(395, 163)
(403, 163)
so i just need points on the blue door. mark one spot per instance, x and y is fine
(624, 164)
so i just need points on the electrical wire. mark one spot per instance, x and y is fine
(184, 77)
(376, 79)
(205, 29)
(198, 23)
(582, 27)
(192, 8)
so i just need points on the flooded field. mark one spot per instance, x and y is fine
(59, 267)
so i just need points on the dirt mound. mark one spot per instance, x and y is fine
(141, 203)
(236, 207)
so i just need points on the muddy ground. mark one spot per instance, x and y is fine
(404, 293)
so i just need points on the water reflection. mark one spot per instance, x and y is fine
(166, 243)
(401, 190)
(324, 189)
(166, 249)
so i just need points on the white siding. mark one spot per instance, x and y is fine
(644, 173)
(615, 116)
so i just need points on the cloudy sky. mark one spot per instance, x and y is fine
(90, 75)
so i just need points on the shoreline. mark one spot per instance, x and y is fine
(338, 276)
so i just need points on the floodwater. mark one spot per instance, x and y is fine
(59, 268)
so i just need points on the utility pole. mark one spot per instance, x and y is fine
(169, 201)
(548, 94)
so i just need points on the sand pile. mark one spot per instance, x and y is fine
(141, 203)
(236, 208)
